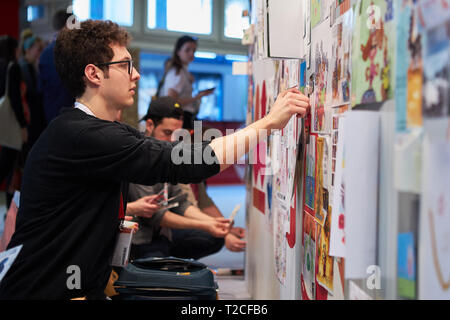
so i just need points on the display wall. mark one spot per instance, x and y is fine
(351, 202)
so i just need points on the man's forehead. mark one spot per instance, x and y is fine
(171, 123)
(120, 52)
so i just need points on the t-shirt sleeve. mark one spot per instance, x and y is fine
(174, 81)
(118, 152)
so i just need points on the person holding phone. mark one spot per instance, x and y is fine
(201, 234)
(177, 80)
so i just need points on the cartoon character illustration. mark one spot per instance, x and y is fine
(375, 42)
(321, 87)
(385, 77)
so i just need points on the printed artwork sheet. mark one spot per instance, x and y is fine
(409, 68)
(321, 60)
(309, 257)
(434, 246)
(373, 52)
(436, 81)
(340, 61)
(325, 262)
(280, 243)
(337, 236)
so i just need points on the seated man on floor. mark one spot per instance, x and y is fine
(190, 238)
(202, 234)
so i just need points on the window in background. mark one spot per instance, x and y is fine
(120, 12)
(229, 101)
(35, 12)
(211, 107)
(193, 16)
(235, 23)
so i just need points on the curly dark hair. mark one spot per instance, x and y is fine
(91, 43)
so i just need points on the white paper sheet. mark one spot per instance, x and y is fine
(6, 260)
(434, 245)
(337, 233)
(286, 29)
(362, 129)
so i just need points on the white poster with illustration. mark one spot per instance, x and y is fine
(434, 238)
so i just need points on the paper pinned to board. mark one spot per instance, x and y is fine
(286, 29)
(434, 236)
(7, 258)
(240, 68)
(362, 135)
(408, 161)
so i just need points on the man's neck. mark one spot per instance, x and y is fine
(99, 107)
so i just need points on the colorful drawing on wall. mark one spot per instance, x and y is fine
(325, 262)
(280, 244)
(310, 175)
(259, 200)
(373, 52)
(319, 11)
(342, 6)
(409, 69)
(415, 75)
(337, 234)
(291, 234)
(321, 193)
(340, 61)
(259, 168)
(436, 75)
(309, 257)
(321, 97)
(434, 237)
(406, 268)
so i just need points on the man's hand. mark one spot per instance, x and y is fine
(144, 207)
(238, 232)
(288, 103)
(234, 243)
(218, 227)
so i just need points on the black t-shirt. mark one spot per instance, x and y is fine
(70, 197)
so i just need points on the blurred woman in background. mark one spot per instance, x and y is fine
(177, 80)
(32, 47)
(11, 81)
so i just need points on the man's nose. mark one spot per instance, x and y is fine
(135, 75)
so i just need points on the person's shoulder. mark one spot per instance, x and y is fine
(171, 72)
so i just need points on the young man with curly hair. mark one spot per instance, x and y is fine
(75, 181)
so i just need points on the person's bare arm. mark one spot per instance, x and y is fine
(290, 102)
(215, 227)
(212, 211)
(184, 101)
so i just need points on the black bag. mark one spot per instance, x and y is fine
(166, 278)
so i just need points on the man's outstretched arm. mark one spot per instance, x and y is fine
(230, 148)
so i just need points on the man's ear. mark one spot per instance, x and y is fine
(149, 126)
(92, 75)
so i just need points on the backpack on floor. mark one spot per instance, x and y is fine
(166, 278)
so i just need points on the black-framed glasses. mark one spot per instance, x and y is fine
(130, 64)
